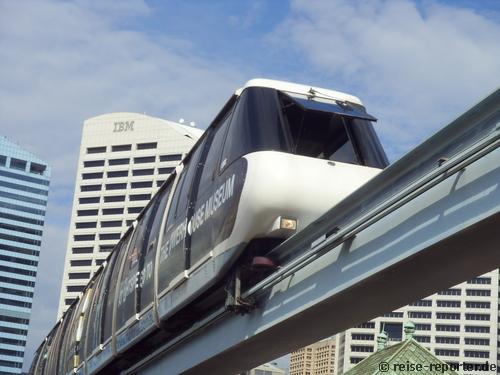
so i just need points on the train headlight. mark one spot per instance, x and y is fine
(289, 224)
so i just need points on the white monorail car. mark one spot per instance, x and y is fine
(275, 158)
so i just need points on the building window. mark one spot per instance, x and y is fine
(362, 336)
(86, 224)
(114, 198)
(117, 148)
(420, 314)
(106, 248)
(450, 292)
(89, 200)
(112, 211)
(121, 161)
(93, 163)
(361, 348)
(37, 168)
(159, 182)
(173, 157)
(82, 250)
(143, 172)
(141, 184)
(78, 275)
(86, 212)
(135, 210)
(75, 288)
(448, 303)
(84, 188)
(447, 340)
(91, 176)
(474, 341)
(453, 316)
(366, 325)
(422, 302)
(146, 146)
(419, 338)
(447, 352)
(84, 237)
(111, 223)
(422, 327)
(69, 301)
(145, 159)
(166, 170)
(3, 161)
(478, 292)
(477, 316)
(447, 327)
(480, 280)
(109, 236)
(139, 197)
(477, 305)
(18, 164)
(478, 329)
(96, 150)
(476, 354)
(118, 186)
(98, 262)
(80, 262)
(129, 222)
(113, 174)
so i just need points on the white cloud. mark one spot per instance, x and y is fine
(415, 68)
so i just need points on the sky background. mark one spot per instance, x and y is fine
(416, 65)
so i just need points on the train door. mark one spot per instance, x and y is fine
(174, 254)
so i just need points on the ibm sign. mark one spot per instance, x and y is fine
(123, 126)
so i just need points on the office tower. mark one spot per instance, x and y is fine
(458, 324)
(315, 359)
(124, 158)
(24, 188)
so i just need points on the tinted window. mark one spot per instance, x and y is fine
(129, 278)
(93, 163)
(92, 335)
(212, 159)
(109, 290)
(255, 125)
(148, 265)
(121, 148)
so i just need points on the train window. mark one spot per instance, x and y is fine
(327, 131)
(92, 332)
(369, 145)
(109, 289)
(255, 125)
(148, 264)
(214, 152)
(187, 180)
(126, 307)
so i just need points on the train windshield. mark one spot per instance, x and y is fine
(267, 119)
(327, 129)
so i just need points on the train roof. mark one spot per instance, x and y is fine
(299, 89)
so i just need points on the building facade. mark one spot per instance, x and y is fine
(124, 158)
(457, 325)
(24, 189)
(267, 369)
(315, 359)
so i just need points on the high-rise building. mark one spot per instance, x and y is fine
(458, 325)
(315, 359)
(24, 189)
(124, 158)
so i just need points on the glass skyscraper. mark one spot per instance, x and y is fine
(24, 187)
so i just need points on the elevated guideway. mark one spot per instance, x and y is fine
(429, 221)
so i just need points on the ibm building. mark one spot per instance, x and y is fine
(124, 158)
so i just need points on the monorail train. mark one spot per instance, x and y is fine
(275, 158)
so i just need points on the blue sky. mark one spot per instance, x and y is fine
(415, 64)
